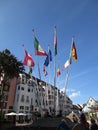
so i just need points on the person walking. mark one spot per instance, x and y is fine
(63, 125)
(94, 126)
(82, 125)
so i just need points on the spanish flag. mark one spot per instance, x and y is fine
(74, 52)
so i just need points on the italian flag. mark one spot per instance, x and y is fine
(38, 49)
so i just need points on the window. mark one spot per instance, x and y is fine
(23, 81)
(5, 105)
(19, 87)
(31, 83)
(26, 108)
(34, 84)
(28, 90)
(22, 88)
(43, 102)
(17, 97)
(21, 107)
(27, 99)
(31, 107)
(36, 102)
(11, 107)
(6, 97)
(22, 98)
(48, 92)
(46, 102)
(31, 100)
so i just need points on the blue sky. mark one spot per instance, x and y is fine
(71, 17)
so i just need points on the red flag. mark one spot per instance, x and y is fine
(28, 61)
(58, 71)
(55, 42)
(44, 70)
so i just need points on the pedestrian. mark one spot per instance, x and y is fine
(75, 119)
(82, 125)
(63, 125)
(94, 126)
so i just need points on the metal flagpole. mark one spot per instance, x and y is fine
(39, 106)
(49, 60)
(54, 81)
(68, 70)
(55, 42)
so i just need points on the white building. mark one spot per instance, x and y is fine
(36, 95)
(91, 103)
(25, 97)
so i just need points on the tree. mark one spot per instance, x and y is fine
(10, 67)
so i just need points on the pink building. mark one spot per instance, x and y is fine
(11, 94)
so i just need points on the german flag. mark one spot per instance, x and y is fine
(74, 52)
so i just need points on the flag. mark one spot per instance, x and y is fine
(74, 53)
(50, 55)
(28, 61)
(58, 71)
(44, 70)
(48, 58)
(67, 63)
(55, 42)
(38, 49)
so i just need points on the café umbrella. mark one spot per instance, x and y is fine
(11, 114)
(21, 114)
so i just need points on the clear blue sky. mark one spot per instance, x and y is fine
(71, 17)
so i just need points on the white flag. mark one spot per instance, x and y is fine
(67, 63)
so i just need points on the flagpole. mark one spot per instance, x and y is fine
(70, 55)
(49, 62)
(54, 81)
(36, 78)
(55, 42)
(68, 71)
(58, 72)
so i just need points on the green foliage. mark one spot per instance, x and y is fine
(9, 65)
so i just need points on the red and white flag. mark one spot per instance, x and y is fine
(58, 72)
(28, 61)
(67, 63)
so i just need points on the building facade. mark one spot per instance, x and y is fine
(34, 95)
(29, 94)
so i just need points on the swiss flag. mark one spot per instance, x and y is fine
(28, 61)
